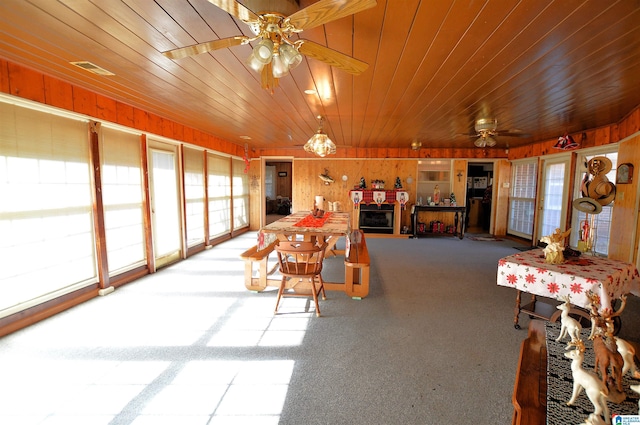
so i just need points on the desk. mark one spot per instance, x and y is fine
(528, 272)
(333, 226)
(459, 217)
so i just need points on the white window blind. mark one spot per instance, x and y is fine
(194, 195)
(522, 199)
(122, 198)
(240, 195)
(46, 223)
(219, 191)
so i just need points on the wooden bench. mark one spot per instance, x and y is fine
(254, 256)
(530, 388)
(356, 266)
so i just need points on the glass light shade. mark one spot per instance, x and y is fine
(280, 68)
(485, 141)
(320, 144)
(263, 51)
(254, 63)
(290, 56)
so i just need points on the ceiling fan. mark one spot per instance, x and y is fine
(276, 52)
(487, 128)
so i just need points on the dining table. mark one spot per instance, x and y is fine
(329, 228)
(576, 277)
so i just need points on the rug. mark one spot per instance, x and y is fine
(484, 238)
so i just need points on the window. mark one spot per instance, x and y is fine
(523, 198)
(46, 220)
(219, 185)
(554, 195)
(270, 181)
(194, 195)
(122, 198)
(240, 195)
(598, 225)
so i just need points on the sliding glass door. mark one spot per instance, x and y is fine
(165, 206)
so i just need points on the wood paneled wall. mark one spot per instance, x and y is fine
(407, 153)
(501, 183)
(307, 183)
(32, 85)
(613, 133)
(623, 244)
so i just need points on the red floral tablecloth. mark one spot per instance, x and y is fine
(528, 272)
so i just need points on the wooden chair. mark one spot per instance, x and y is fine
(301, 266)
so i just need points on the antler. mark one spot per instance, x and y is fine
(565, 298)
(578, 344)
(622, 306)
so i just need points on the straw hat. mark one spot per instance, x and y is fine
(599, 165)
(587, 205)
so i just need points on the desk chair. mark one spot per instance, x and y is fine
(300, 262)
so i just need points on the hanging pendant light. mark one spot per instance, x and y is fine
(320, 144)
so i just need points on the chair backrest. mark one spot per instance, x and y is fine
(298, 258)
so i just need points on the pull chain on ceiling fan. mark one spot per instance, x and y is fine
(276, 53)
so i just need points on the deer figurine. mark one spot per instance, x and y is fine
(602, 321)
(569, 326)
(628, 353)
(608, 360)
(596, 391)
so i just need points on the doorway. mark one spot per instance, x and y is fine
(553, 196)
(165, 206)
(278, 189)
(479, 197)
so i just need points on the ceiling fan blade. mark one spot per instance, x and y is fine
(512, 133)
(236, 9)
(326, 11)
(208, 46)
(333, 57)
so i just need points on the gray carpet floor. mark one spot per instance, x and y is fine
(433, 343)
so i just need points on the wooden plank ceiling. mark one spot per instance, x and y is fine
(540, 67)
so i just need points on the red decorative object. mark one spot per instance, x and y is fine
(367, 196)
(311, 221)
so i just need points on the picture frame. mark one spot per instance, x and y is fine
(624, 174)
(282, 174)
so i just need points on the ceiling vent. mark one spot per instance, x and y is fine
(88, 66)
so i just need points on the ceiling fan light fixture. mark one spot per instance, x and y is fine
(485, 141)
(273, 31)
